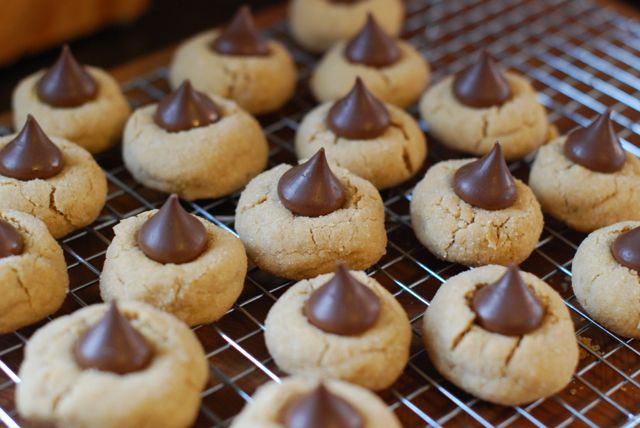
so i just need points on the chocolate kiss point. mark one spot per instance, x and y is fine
(359, 115)
(184, 109)
(311, 189)
(172, 235)
(241, 37)
(596, 147)
(626, 249)
(508, 306)
(486, 182)
(11, 242)
(320, 408)
(482, 84)
(31, 154)
(343, 305)
(372, 46)
(66, 83)
(113, 345)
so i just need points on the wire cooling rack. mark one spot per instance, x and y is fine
(580, 57)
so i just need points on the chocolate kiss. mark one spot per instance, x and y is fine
(372, 46)
(113, 345)
(343, 305)
(486, 182)
(184, 109)
(359, 115)
(66, 83)
(482, 85)
(508, 306)
(31, 154)
(321, 408)
(172, 235)
(11, 242)
(311, 189)
(626, 249)
(241, 37)
(596, 147)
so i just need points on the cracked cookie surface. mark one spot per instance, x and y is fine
(507, 370)
(520, 124)
(456, 231)
(385, 161)
(373, 359)
(56, 390)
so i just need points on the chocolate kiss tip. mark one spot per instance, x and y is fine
(172, 235)
(320, 408)
(241, 37)
(184, 109)
(11, 242)
(482, 84)
(311, 189)
(626, 249)
(372, 46)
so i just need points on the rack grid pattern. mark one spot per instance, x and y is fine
(581, 58)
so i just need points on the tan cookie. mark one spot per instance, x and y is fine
(520, 124)
(95, 125)
(197, 292)
(455, 231)
(259, 84)
(269, 400)
(204, 162)
(507, 370)
(584, 199)
(34, 283)
(385, 161)
(57, 391)
(318, 24)
(373, 359)
(607, 290)
(65, 202)
(298, 247)
(400, 84)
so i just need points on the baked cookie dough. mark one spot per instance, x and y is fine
(318, 24)
(95, 124)
(33, 272)
(502, 369)
(203, 162)
(69, 199)
(606, 289)
(270, 402)
(259, 82)
(55, 389)
(372, 357)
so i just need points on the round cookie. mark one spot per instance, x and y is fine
(606, 289)
(318, 24)
(373, 358)
(271, 400)
(203, 162)
(502, 369)
(95, 125)
(33, 279)
(55, 389)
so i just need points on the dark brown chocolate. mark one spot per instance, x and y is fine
(320, 408)
(31, 154)
(482, 84)
(113, 345)
(172, 235)
(343, 305)
(372, 46)
(11, 242)
(359, 115)
(487, 182)
(184, 109)
(66, 83)
(241, 37)
(311, 189)
(596, 147)
(508, 306)
(626, 249)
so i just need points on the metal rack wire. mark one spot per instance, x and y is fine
(581, 58)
